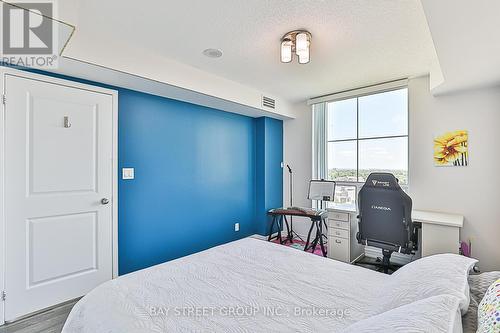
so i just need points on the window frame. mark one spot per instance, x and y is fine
(375, 91)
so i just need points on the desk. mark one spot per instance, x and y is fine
(342, 242)
(318, 219)
(440, 231)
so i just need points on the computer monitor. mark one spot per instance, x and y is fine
(321, 190)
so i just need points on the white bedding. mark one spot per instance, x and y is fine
(244, 286)
(408, 318)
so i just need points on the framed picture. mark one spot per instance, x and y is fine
(451, 149)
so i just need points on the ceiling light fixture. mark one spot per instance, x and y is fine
(298, 41)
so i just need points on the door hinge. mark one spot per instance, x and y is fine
(4, 295)
(4, 99)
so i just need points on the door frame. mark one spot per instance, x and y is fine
(4, 71)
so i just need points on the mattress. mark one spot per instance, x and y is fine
(248, 285)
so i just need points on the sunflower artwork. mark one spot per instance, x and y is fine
(451, 149)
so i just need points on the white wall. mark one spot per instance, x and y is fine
(470, 191)
(297, 152)
(473, 190)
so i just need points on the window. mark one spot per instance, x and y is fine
(367, 134)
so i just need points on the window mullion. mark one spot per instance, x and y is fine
(371, 138)
(388, 142)
(357, 140)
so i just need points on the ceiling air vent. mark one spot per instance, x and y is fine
(268, 102)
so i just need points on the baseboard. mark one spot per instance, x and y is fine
(257, 236)
(261, 237)
(28, 316)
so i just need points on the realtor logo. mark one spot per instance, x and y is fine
(27, 29)
(28, 34)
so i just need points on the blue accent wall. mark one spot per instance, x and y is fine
(269, 156)
(197, 172)
(194, 178)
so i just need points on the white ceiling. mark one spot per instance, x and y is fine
(354, 43)
(465, 35)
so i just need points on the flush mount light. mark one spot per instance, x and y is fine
(212, 53)
(298, 41)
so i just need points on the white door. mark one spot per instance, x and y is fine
(58, 192)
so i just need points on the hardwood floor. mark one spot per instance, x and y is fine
(49, 321)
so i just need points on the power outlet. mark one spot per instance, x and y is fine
(236, 227)
(128, 173)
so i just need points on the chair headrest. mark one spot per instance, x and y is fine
(382, 180)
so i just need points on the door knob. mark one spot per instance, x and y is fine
(104, 201)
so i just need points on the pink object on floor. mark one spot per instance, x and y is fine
(465, 249)
(299, 245)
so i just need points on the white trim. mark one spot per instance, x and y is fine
(358, 92)
(114, 198)
(320, 140)
(19, 73)
(248, 105)
(2, 216)
(313, 163)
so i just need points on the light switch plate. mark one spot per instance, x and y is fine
(128, 173)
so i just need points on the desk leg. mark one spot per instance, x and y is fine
(316, 238)
(291, 229)
(309, 236)
(271, 228)
(321, 238)
(280, 226)
(288, 231)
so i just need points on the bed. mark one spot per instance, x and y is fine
(251, 285)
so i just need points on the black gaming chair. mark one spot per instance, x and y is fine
(385, 218)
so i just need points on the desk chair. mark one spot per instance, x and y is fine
(385, 218)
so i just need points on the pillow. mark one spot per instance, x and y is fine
(489, 310)
(441, 274)
(437, 314)
(479, 284)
